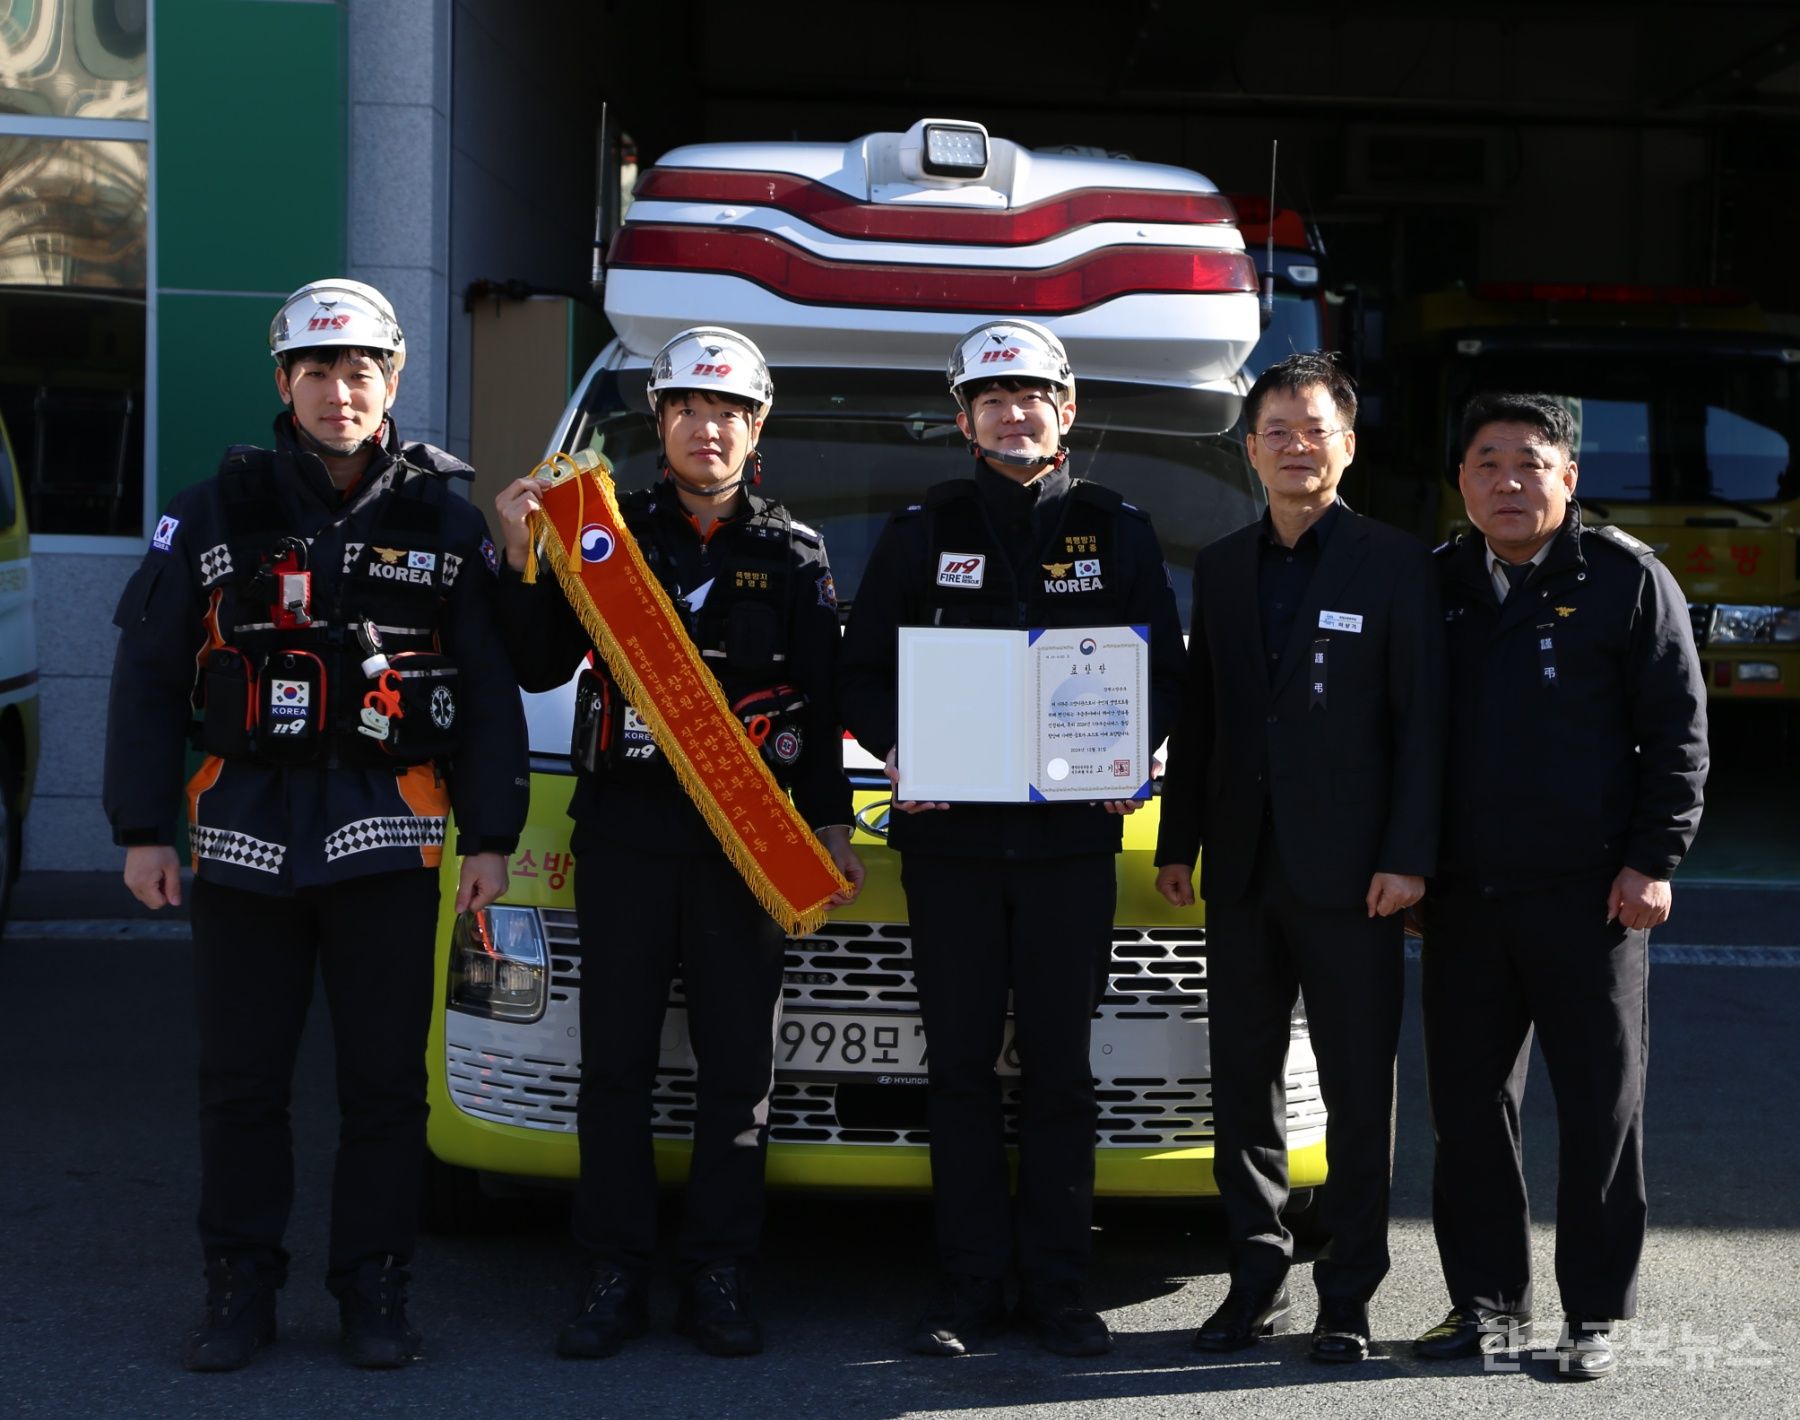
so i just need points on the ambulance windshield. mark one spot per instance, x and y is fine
(845, 448)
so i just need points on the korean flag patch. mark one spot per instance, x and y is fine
(164, 538)
(423, 561)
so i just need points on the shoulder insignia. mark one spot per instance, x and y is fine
(431, 459)
(1623, 540)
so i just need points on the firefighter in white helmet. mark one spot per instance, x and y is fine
(1003, 899)
(654, 891)
(336, 593)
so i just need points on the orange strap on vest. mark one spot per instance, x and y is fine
(626, 612)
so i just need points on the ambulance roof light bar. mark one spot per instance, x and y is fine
(944, 149)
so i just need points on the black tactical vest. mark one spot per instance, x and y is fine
(1077, 581)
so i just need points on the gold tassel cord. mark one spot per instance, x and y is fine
(797, 921)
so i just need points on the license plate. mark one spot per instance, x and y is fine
(878, 1043)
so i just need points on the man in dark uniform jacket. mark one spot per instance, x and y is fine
(1578, 735)
(301, 583)
(1307, 760)
(654, 891)
(1009, 897)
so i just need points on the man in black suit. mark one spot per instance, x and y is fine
(1307, 759)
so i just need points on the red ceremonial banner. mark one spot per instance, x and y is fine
(581, 534)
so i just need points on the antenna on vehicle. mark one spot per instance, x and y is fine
(1266, 302)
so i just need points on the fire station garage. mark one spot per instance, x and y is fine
(171, 168)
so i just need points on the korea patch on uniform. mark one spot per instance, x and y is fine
(164, 538)
(961, 569)
(424, 561)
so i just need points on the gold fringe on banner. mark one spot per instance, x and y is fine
(779, 858)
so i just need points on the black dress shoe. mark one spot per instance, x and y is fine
(965, 1311)
(372, 1310)
(240, 1317)
(614, 1309)
(1241, 1318)
(1474, 1331)
(1055, 1315)
(715, 1310)
(1584, 1350)
(1342, 1331)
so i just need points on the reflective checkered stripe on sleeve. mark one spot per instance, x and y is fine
(225, 845)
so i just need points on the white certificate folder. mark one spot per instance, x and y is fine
(1013, 717)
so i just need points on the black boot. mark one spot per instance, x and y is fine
(372, 1308)
(715, 1310)
(613, 1310)
(240, 1316)
(964, 1313)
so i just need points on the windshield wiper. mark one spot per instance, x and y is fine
(1748, 509)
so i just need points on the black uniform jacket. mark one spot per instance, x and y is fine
(649, 811)
(270, 829)
(1036, 534)
(1577, 715)
(1343, 754)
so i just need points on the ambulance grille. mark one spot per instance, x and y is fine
(528, 1075)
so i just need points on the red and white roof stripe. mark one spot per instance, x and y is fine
(829, 255)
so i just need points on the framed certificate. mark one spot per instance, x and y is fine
(1024, 716)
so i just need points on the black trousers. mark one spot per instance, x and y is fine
(1495, 968)
(642, 915)
(255, 956)
(1260, 951)
(1041, 930)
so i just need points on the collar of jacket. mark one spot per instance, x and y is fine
(311, 467)
(1565, 553)
(1010, 499)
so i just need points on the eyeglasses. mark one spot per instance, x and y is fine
(1314, 436)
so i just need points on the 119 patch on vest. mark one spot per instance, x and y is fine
(961, 569)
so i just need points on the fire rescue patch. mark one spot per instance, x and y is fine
(786, 746)
(423, 561)
(289, 697)
(961, 569)
(164, 538)
(827, 591)
(490, 555)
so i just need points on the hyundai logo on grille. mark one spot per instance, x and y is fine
(874, 818)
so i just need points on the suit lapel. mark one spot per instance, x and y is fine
(1342, 555)
(1243, 571)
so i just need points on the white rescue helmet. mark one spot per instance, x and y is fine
(337, 311)
(713, 360)
(1009, 350)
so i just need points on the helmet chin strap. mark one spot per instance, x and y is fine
(312, 444)
(1055, 460)
(752, 462)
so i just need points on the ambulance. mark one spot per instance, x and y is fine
(855, 267)
(18, 671)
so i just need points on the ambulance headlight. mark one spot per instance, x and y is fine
(1748, 625)
(499, 964)
(955, 150)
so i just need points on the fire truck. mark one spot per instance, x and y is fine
(1687, 408)
(855, 267)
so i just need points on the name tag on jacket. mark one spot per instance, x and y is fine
(1340, 621)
